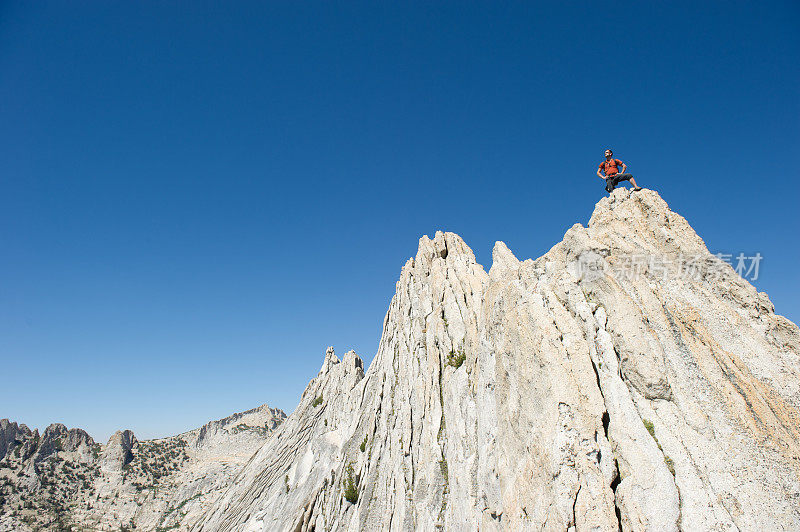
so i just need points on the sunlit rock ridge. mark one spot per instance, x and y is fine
(578, 391)
(545, 395)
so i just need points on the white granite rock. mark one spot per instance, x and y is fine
(546, 395)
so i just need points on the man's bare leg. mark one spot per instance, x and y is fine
(635, 186)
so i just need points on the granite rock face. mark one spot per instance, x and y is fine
(118, 452)
(591, 389)
(11, 434)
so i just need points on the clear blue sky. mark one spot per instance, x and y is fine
(197, 198)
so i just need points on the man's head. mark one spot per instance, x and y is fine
(609, 153)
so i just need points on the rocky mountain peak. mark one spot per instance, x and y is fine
(552, 393)
(504, 262)
(118, 451)
(11, 434)
(442, 246)
(330, 360)
(642, 221)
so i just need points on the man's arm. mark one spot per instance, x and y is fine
(601, 176)
(623, 168)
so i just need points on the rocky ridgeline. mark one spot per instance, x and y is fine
(41, 476)
(63, 480)
(548, 394)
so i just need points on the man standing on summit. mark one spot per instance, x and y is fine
(613, 176)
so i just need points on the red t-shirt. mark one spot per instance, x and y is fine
(610, 167)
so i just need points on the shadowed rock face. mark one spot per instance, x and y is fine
(118, 452)
(11, 434)
(548, 395)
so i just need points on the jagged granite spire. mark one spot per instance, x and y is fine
(548, 394)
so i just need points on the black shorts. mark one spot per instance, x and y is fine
(615, 180)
